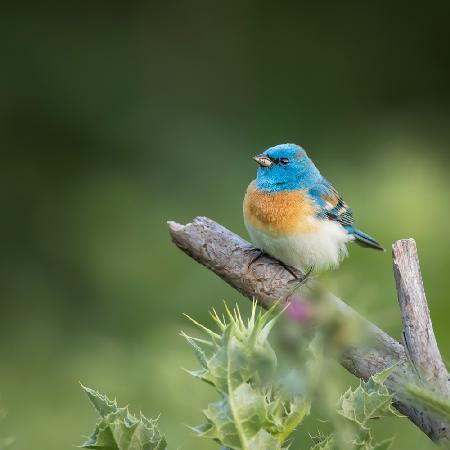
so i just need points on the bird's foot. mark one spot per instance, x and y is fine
(298, 282)
(307, 275)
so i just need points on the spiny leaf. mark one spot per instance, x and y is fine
(230, 315)
(267, 320)
(203, 328)
(199, 341)
(263, 440)
(370, 400)
(117, 429)
(203, 360)
(101, 403)
(380, 377)
(295, 415)
(219, 321)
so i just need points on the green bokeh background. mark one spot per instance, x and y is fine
(118, 117)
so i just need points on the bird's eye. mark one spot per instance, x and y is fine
(284, 161)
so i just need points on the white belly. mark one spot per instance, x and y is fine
(321, 249)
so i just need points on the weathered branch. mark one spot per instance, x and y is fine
(418, 335)
(229, 256)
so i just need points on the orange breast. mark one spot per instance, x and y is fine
(279, 213)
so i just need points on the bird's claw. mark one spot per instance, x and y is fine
(298, 282)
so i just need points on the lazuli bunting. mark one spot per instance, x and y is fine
(295, 215)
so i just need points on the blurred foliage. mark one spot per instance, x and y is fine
(118, 116)
(429, 401)
(5, 442)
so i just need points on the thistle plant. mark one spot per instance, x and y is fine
(257, 408)
(118, 429)
(253, 411)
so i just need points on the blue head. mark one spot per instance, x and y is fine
(285, 167)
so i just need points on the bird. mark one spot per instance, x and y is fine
(295, 215)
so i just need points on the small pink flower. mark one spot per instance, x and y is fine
(299, 309)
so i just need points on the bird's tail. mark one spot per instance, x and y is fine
(364, 239)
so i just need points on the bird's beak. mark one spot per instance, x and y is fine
(263, 160)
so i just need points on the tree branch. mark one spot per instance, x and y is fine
(229, 256)
(418, 335)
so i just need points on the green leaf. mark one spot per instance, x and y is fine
(197, 350)
(263, 440)
(370, 400)
(101, 403)
(380, 377)
(118, 429)
(297, 411)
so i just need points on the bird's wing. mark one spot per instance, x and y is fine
(330, 204)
